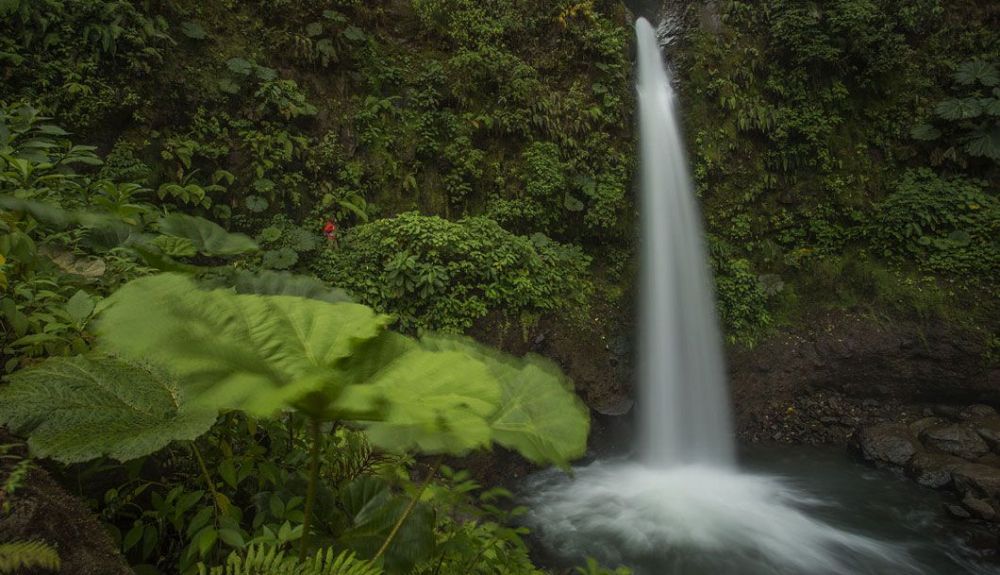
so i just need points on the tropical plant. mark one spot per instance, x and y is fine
(971, 118)
(20, 555)
(75, 409)
(265, 354)
(945, 225)
(263, 560)
(436, 274)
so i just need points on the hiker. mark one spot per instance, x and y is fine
(330, 232)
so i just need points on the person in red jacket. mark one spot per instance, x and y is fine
(330, 231)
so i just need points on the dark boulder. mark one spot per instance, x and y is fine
(976, 412)
(980, 480)
(959, 439)
(933, 469)
(892, 444)
(979, 507)
(989, 430)
(921, 425)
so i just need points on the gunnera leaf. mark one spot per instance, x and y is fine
(193, 30)
(208, 237)
(431, 400)
(539, 415)
(75, 409)
(266, 282)
(279, 259)
(257, 353)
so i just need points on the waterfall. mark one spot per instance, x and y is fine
(684, 406)
(684, 508)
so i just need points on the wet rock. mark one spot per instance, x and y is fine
(887, 444)
(979, 508)
(960, 440)
(958, 511)
(921, 425)
(933, 469)
(980, 480)
(615, 406)
(977, 411)
(989, 430)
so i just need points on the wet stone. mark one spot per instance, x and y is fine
(989, 430)
(977, 411)
(887, 444)
(958, 511)
(920, 425)
(933, 469)
(981, 480)
(979, 508)
(960, 440)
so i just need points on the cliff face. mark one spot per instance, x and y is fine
(819, 383)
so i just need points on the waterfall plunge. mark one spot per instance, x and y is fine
(684, 407)
(685, 509)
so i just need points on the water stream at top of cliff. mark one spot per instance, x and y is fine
(682, 506)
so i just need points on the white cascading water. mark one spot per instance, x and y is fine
(684, 508)
(683, 403)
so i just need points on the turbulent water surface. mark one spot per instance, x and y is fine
(797, 511)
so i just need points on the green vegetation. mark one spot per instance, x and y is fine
(20, 555)
(862, 127)
(176, 329)
(437, 274)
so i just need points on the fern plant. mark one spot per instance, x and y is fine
(17, 556)
(265, 560)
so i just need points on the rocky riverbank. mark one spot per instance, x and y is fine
(955, 450)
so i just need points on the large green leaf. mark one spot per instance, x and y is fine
(250, 352)
(539, 415)
(208, 237)
(977, 71)
(77, 409)
(434, 401)
(960, 109)
(267, 282)
(985, 142)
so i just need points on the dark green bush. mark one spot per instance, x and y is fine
(437, 274)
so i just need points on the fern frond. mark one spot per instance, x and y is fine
(27, 555)
(326, 563)
(264, 560)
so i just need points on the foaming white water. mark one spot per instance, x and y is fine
(683, 403)
(696, 519)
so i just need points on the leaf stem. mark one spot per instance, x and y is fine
(409, 508)
(208, 480)
(316, 439)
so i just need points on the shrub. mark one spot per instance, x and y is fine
(437, 274)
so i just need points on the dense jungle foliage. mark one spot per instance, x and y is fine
(170, 170)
